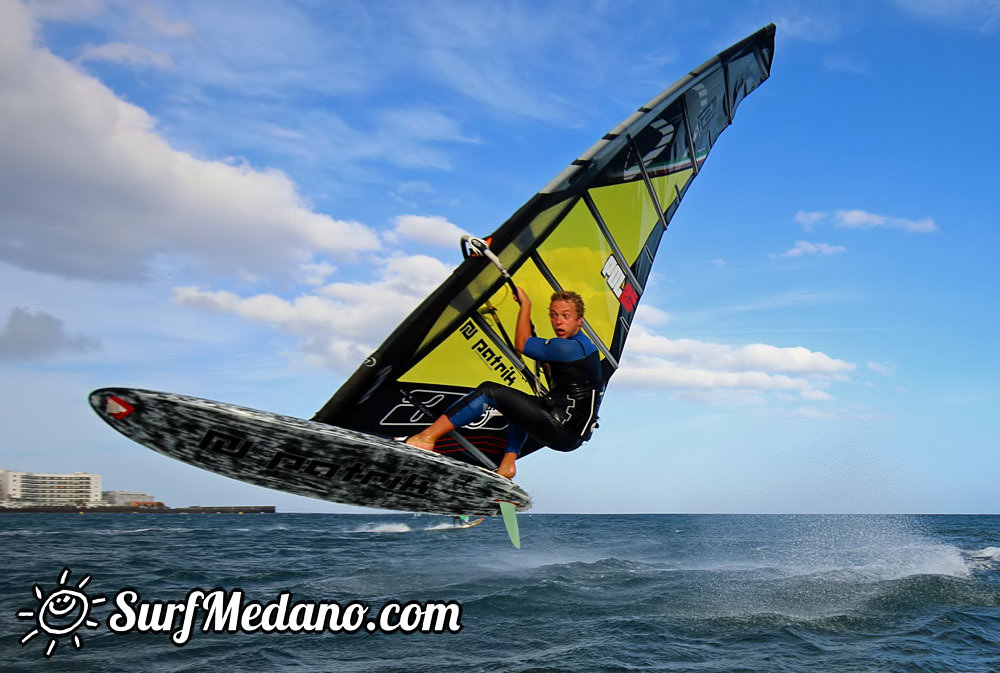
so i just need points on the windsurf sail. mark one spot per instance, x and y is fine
(594, 229)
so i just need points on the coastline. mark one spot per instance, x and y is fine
(124, 509)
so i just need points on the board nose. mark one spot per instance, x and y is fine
(96, 399)
(111, 404)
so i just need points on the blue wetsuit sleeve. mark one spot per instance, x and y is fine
(555, 350)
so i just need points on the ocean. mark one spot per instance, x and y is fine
(585, 593)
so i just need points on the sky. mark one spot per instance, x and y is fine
(239, 200)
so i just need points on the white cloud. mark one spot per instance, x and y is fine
(860, 219)
(809, 25)
(341, 323)
(415, 187)
(725, 397)
(427, 230)
(257, 62)
(806, 248)
(30, 335)
(784, 300)
(92, 190)
(412, 194)
(644, 371)
(688, 365)
(809, 220)
(813, 414)
(752, 357)
(817, 396)
(424, 123)
(650, 315)
(884, 369)
(979, 15)
(461, 50)
(65, 10)
(157, 20)
(140, 17)
(845, 63)
(316, 274)
(123, 52)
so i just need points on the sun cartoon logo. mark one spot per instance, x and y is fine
(61, 613)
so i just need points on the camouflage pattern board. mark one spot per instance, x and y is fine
(304, 457)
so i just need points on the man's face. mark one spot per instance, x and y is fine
(565, 320)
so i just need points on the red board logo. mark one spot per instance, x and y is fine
(118, 408)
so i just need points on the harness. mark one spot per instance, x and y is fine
(576, 394)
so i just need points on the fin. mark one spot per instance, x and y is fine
(510, 521)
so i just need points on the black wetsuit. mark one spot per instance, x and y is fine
(562, 419)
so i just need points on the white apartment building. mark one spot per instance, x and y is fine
(29, 488)
(125, 497)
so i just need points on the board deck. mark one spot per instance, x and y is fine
(304, 457)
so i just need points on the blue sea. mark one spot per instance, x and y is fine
(585, 593)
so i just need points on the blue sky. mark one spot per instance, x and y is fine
(239, 200)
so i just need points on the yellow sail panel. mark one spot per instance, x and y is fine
(667, 186)
(448, 363)
(577, 253)
(526, 239)
(629, 214)
(487, 276)
(490, 273)
(539, 291)
(465, 359)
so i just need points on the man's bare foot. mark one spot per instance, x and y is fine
(507, 467)
(421, 442)
(426, 438)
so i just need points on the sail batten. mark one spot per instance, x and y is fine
(507, 349)
(619, 256)
(595, 229)
(652, 192)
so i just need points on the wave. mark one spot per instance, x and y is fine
(984, 559)
(96, 531)
(444, 525)
(992, 553)
(384, 528)
(839, 598)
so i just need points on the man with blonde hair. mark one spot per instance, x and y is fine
(562, 419)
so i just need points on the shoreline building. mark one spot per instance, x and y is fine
(128, 498)
(31, 488)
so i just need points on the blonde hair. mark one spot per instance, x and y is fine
(570, 296)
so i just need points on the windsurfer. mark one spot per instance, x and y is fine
(563, 418)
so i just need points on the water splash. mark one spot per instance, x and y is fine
(985, 559)
(444, 525)
(384, 528)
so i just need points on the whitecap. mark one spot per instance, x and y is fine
(985, 559)
(991, 553)
(385, 528)
(444, 525)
